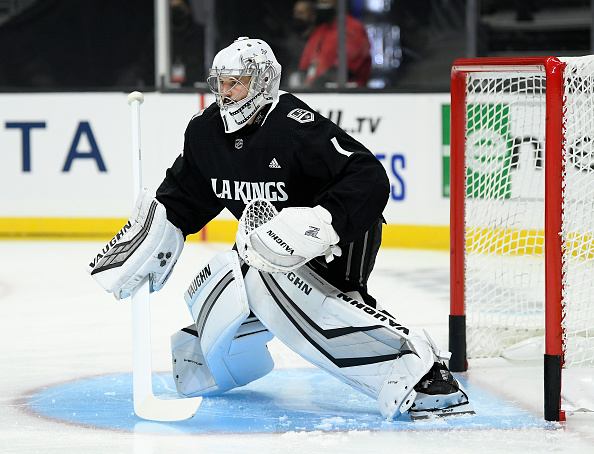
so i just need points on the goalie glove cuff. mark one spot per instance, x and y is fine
(333, 249)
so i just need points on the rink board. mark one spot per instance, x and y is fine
(303, 400)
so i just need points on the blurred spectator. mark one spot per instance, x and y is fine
(304, 18)
(303, 24)
(320, 56)
(187, 45)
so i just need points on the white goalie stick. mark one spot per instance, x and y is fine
(146, 404)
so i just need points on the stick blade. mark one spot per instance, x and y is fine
(155, 409)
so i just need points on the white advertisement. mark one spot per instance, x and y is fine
(69, 155)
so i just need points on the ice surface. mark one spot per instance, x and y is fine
(287, 400)
(59, 333)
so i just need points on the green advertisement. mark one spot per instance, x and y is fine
(445, 149)
(489, 147)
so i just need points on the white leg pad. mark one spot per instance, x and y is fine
(248, 360)
(356, 343)
(397, 393)
(218, 303)
(231, 348)
(190, 372)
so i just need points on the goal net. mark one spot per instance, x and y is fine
(522, 213)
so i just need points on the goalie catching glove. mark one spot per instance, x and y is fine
(147, 245)
(281, 242)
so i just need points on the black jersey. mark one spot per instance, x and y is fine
(292, 156)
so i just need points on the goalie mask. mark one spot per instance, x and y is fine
(248, 65)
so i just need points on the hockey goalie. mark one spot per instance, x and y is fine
(309, 199)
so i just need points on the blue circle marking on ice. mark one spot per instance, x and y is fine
(282, 401)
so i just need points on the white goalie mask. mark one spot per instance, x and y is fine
(251, 64)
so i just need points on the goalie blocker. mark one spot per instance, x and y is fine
(147, 245)
(360, 345)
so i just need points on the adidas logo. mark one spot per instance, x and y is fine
(274, 164)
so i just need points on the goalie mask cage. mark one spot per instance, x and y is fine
(522, 213)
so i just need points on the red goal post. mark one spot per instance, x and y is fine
(492, 236)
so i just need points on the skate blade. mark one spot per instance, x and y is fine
(456, 410)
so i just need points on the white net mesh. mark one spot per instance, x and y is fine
(504, 211)
(256, 213)
(578, 212)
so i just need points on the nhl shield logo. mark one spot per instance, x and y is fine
(238, 143)
(301, 115)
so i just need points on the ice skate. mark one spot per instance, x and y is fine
(439, 394)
